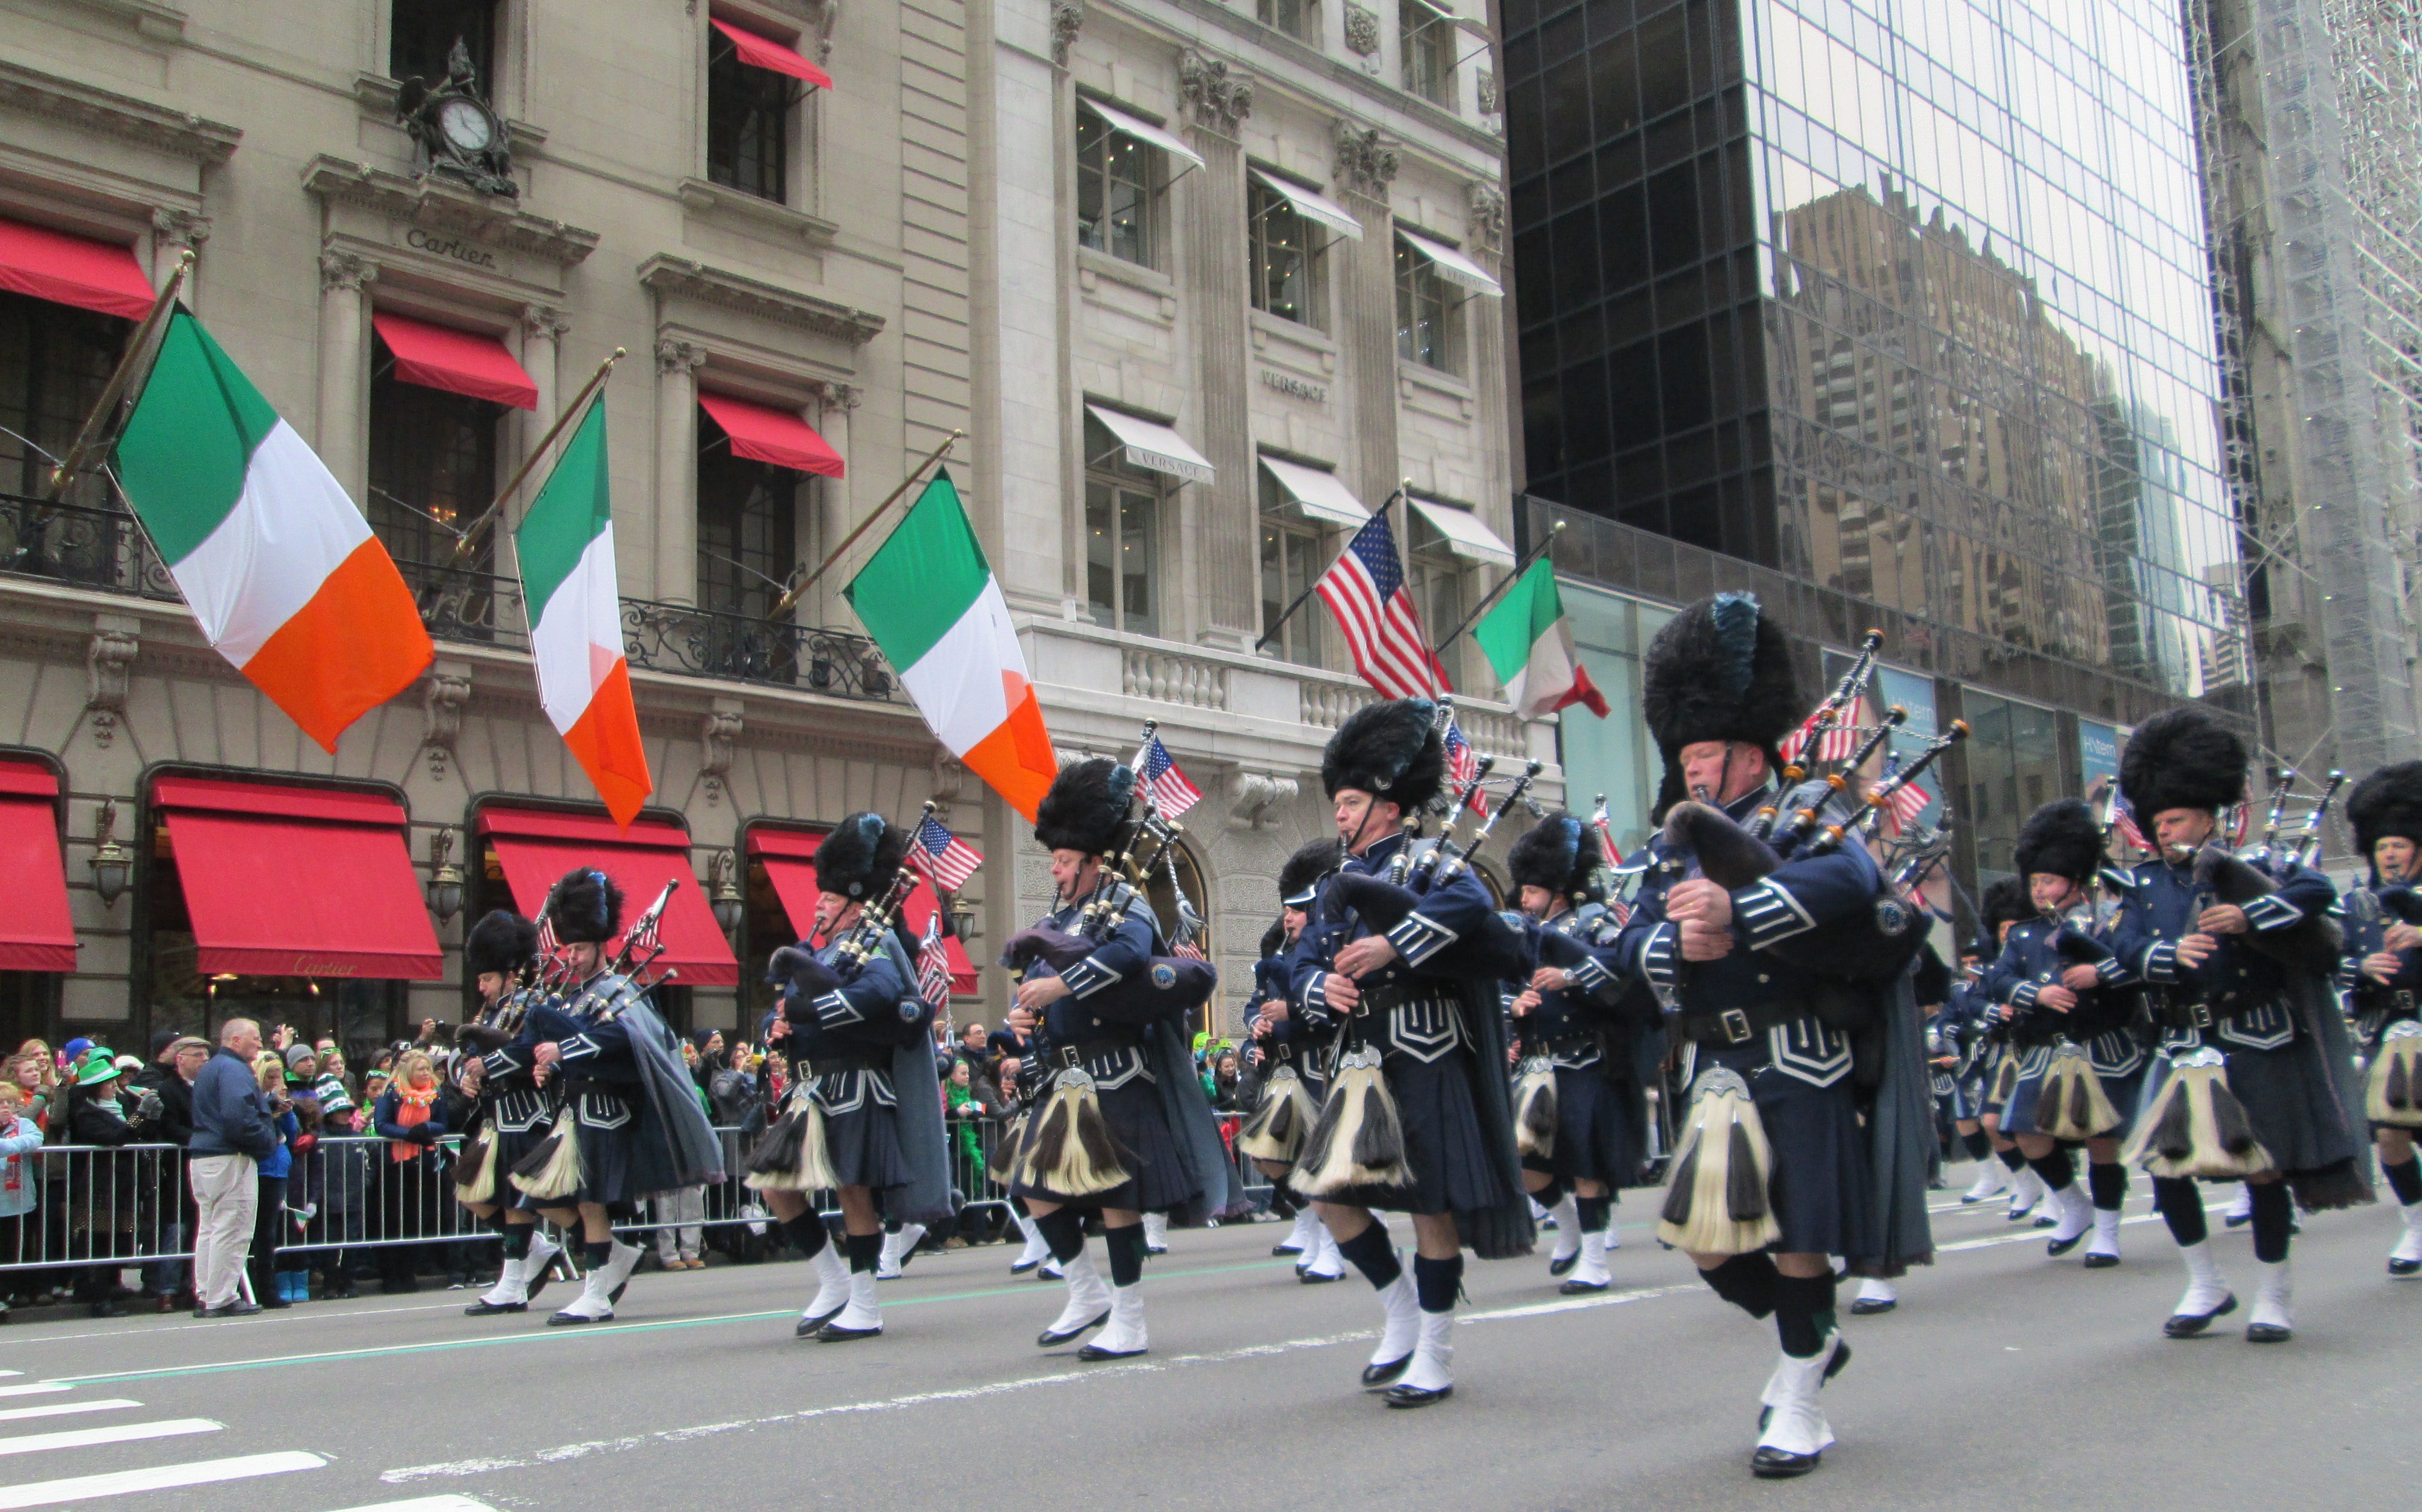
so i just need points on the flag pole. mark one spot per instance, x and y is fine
(1300, 599)
(120, 379)
(1498, 592)
(470, 538)
(790, 600)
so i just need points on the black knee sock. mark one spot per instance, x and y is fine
(2274, 1220)
(1747, 1281)
(1803, 1313)
(1596, 1212)
(2108, 1185)
(864, 1250)
(1550, 1194)
(1370, 1253)
(806, 1233)
(1126, 1254)
(1437, 1282)
(2405, 1181)
(1978, 1144)
(596, 1254)
(517, 1242)
(2181, 1207)
(2011, 1158)
(2057, 1168)
(1063, 1230)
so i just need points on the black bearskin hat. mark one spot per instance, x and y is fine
(587, 907)
(857, 858)
(1560, 854)
(2006, 902)
(2388, 802)
(1086, 808)
(2183, 759)
(2061, 838)
(1299, 878)
(1718, 671)
(1390, 749)
(502, 941)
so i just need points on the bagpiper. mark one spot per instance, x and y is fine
(500, 952)
(1580, 1114)
(2381, 975)
(1418, 1117)
(2005, 904)
(864, 1118)
(2238, 962)
(1774, 1174)
(2081, 1061)
(1290, 1073)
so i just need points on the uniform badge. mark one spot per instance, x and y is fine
(1164, 976)
(1892, 917)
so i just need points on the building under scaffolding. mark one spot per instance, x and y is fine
(2311, 119)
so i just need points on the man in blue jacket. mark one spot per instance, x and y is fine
(232, 1134)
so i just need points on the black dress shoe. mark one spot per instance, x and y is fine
(1385, 1373)
(2100, 1261)
(1286, 1249)
(2187, 1325)
(1019, 1268)
(1870, 1306)
(1314, 1278)
(1583, 1288)
(810, 1325)
(485, 1309)
(2057, 1248)
(1564, 1266)
(835, 1333)
(1777, 1464)
(2268, 1334)
(1418, 1397)
(2238, 1219)
(1096, 1353)
(1050, 1339)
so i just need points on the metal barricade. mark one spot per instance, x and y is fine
(95, 1206)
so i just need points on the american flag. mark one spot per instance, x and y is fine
(1840, 742)
(943, 855)
(1163, 782)
(1187, 950)
(1462, 765)
(2123, 815)
(932, 963)
(1366, 590)
(1606, 838)
(1904, 804)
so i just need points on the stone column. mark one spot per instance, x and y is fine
(543, 330)
(1491, 386)
(1219, 522)
(832, 510)
(675, 579)
(1366, 303)
(174, 233)
(344, 370)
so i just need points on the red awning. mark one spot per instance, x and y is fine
(788, 857)
(778, 437)
(537, 847)
(295, 881)
(765, 52)
(459, 362)
(73, 270)
(36, 932)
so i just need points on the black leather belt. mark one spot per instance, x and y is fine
(2183, 1011)
(1568, 1045)
(828, 1066)
(1091, 1049)
(1733, 1028)
(1387, 996)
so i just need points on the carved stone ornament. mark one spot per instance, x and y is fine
(825, 26)
(441, 703)
(715, 733)
(1216, 97)
(674, 355)
(1257, 798)
(180, 227)
(1362, 31)
(107, 662)
(950, 781)
(1487, 217)
(1067, 19)
(544, 321)
(344, 271)
(1489, 104)
(1365, 160)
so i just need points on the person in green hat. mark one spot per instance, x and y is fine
(100, 1115)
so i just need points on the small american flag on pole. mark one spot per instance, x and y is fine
(932, 963)
(1162, 782)
(1606, 838)
(1366, 590)
(2123, 815)
(1840, 742)
(1188, 949)
(1904, 805)
(1462, 765)
(943, 855)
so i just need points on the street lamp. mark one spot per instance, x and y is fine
(444, 877)
(731, 907)
(963, 919)
(111, 862)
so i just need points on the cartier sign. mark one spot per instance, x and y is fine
(450, 246)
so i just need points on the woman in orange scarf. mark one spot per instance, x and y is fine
(411, 1116)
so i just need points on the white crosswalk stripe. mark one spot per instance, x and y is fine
(30, 1444)
(158, 1478)
(428, 1504)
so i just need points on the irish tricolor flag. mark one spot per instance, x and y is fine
(930, 601)
(566, 546)
(277, 564)
(1529, 644)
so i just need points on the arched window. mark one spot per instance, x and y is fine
(1175, 874)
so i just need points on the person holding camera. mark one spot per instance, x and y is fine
(268, 1207)
(233, 1132)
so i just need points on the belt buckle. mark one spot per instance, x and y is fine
(2201, 1015)
(1736, 1026)
(1069, 1058)
(2403, 999)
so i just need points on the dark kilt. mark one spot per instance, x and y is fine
(606, 1157)
(1157, 1178)
(1599, 1131)
(1443, 1144)
(1821, 1188)
(863, 1140)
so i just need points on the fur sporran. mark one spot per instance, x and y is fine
(1718, 1203)
(1277, 1129)
(475, 1170)
(2072, 1105)
(1001, 1163)
(793, 1155)
(1359, 1138)
(2005, 1078)
(552, 1172)
(2197, 1127)
(2393, 1090)
(1534, 1107)
(1069, 1148)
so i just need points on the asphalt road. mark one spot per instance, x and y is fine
(2003, 1375)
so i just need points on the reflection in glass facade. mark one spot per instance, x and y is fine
(1902, 298)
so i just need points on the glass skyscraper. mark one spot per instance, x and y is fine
(1904, 302)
